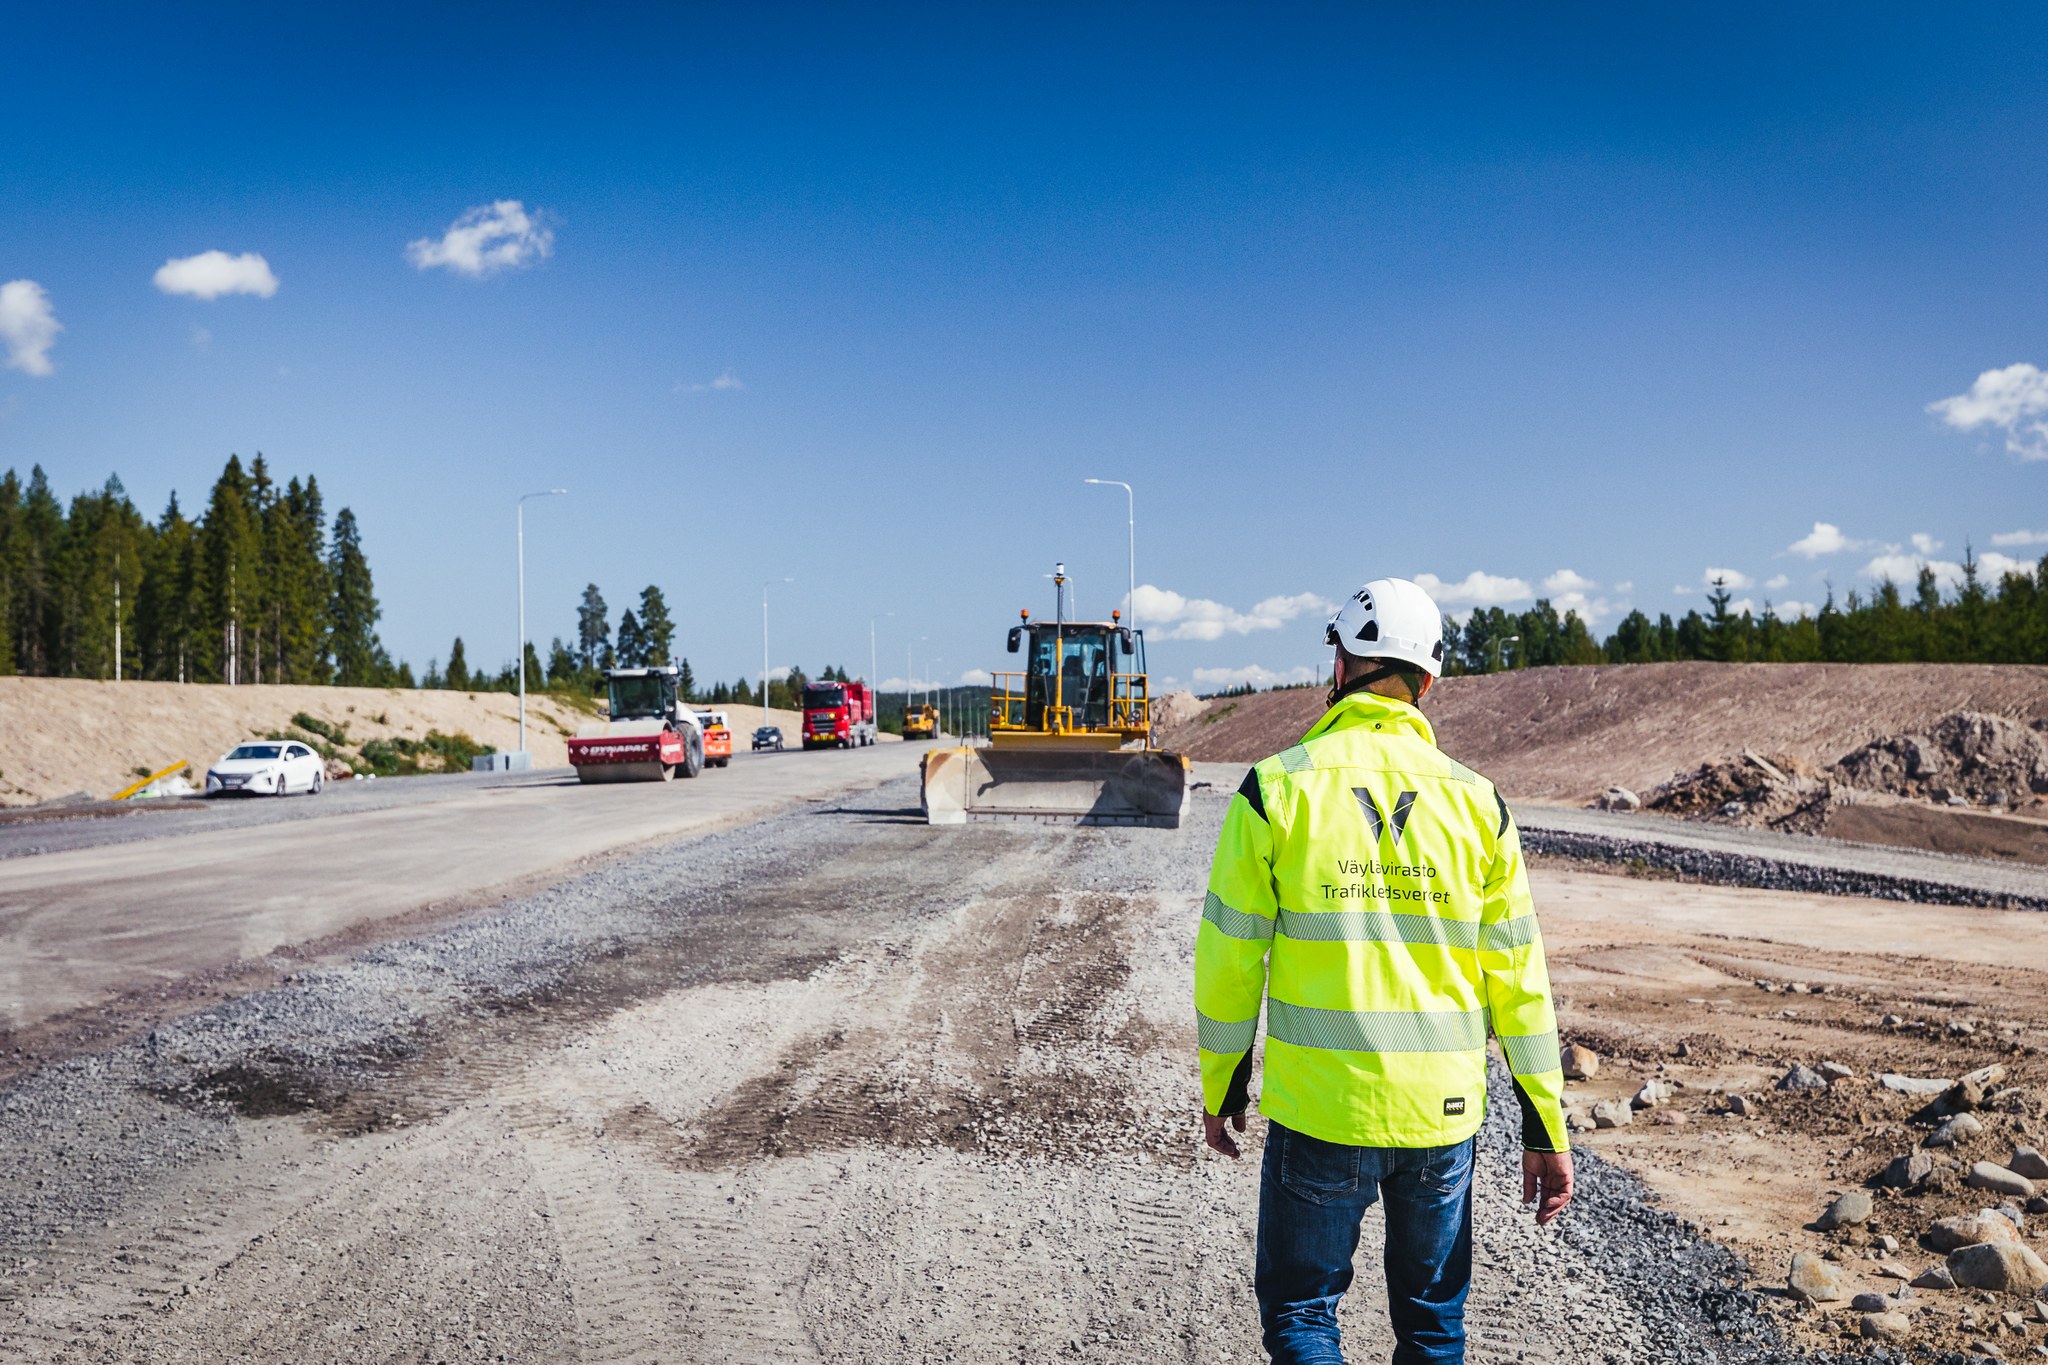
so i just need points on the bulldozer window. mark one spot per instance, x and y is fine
(1082, 662)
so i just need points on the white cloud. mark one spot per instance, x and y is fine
(725, 382)
(29, 326)
(1216, 679)
(1741, 605)
(1565, 580)
(1925, 543)
(976, 677)
(1776, 581)
(1197, 618)
(780, 673)
(1904, 569)
(1475, 590)
(2013, 399)
(1733, 579)
(1790, 610)
(1824, 539)
(1992, 566)
(1625, 586)
(211, 274)
(2010, 539)
(485, 240)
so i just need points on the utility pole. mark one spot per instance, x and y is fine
(1131, 527)
(520, 510)
(764, 643)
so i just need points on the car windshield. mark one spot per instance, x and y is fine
(767, 732)
(644, 695)
(256, 751)
(824, 694)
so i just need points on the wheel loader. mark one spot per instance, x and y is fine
(1069, 735)
(921, 721)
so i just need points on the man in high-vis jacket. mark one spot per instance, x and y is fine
(1371, 891)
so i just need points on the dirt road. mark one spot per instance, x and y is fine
(215, 891)
(834, 1087)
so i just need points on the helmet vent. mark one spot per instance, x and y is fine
(1369, 632)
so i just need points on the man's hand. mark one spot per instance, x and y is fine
(1549, 1172)
(1217, 1134)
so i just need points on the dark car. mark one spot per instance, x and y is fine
(768, 737)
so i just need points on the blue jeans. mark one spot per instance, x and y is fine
(1312, 1195)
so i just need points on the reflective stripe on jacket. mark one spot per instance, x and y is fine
(1380, 886)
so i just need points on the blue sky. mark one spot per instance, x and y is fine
(1591, 296)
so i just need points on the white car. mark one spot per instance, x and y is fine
(271, 767)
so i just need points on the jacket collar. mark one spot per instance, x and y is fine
(1371, 711)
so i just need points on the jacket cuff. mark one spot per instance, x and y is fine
(1237, 1095)
(1535, 1132)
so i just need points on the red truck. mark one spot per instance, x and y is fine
(841, 713)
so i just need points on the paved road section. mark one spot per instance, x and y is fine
(163, 894)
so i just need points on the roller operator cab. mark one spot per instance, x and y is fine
(1070, 735)
(649, 734)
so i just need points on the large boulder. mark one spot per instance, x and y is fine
(1969, 1229)
(2007, 1267)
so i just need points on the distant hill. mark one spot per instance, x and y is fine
(1567, 734)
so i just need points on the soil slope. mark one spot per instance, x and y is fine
(1568, 733)
(65, 735)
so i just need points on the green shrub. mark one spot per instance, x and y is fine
(326, 729)
(437, 753)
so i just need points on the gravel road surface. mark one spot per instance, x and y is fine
(195, 895)
(831, 1086)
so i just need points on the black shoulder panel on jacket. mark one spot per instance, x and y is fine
(1502, 831)
(1249, 790)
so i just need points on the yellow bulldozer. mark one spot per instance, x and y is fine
(920, 722)
(1069, 735)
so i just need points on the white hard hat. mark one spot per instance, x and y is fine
(1391, 619)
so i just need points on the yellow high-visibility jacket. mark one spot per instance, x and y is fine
(1384, 882)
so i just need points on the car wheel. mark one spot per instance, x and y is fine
(284, 788)
(319, 781)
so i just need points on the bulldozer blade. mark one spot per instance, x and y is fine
(1053, 786)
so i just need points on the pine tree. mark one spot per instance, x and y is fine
(593, 628)
(657, 628)
(352, 609)
(632, 642)
(686, 681)
(230, 563)
(459, 679)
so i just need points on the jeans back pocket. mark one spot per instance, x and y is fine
(1319, 1171)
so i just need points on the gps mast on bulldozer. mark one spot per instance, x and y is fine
(650, 734)
(1070, 737)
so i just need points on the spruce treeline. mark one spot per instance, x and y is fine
(256, 590)
(646, 637)
(2002, 624)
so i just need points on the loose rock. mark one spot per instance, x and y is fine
(1854, 1207)
(1653, 1093)
(1935, 1276)
(1619, 798)
(2028, 1162)
(1802, 1078)
(1907, 1172)
(1953, 1131)
(1912, 1085)
(1835, 1071)
(1669, 1118)
(2007, 1267)
(1580, 1063)
(1813, 1279)
(1613, 1114)
(1741, 1106)
(1885, 1326)
(1989, 1175)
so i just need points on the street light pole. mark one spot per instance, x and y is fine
(521, 665)
(764, 643)
(1131, 526)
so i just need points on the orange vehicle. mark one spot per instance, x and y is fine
(717, 739)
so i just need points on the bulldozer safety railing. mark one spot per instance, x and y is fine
(1129, 708)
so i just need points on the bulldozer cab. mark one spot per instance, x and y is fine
(1070, 672)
